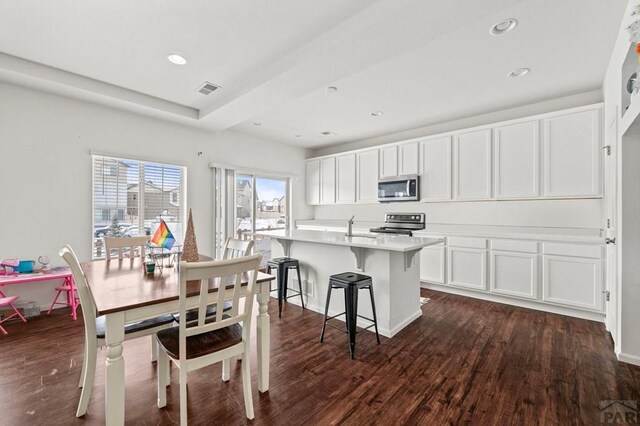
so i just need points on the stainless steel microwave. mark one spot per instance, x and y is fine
(401, 188)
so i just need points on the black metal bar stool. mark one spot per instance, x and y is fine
(351, 282)
(282, 266)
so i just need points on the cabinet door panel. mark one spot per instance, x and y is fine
(435, 169)
(328, 181)
(516, 151)
(312, 182)
(472, 165)
(367, 179)
(572, 154)
(389, 161)
(408, 159)
(572, 281)
(514, 274)
(346, 179)
(467, 268)
(432, 264)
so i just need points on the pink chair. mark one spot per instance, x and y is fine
(8, 301)
(72, 298)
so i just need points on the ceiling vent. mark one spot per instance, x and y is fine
(328, 133)
(206, 88)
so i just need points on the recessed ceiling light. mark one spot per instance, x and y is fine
(519, 72)
(176, 59)
(503, 26)
(255, 123)
(332, 89)
(377, 113)
(298, 136)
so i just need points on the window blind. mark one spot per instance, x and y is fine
(130, 197)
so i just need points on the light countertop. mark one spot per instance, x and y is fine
(361, 240)
(582, 235)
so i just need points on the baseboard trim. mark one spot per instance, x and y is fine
(403, 324)
(593, 316)
(629, 359)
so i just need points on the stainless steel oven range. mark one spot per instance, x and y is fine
(402, 223)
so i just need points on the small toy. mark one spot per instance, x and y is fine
(11, 263)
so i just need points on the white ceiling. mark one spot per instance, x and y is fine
(419, 61)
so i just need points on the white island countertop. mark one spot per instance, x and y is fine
(398, 243)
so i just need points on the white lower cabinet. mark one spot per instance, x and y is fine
(563, 274)
(514, 274)
(467, 267)
(572, 281)
(432, 264)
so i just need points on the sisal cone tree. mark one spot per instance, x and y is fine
(190, 249)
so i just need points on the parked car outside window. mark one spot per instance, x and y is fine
(103, 231)
(134, 231)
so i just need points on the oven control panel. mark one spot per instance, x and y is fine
(404, 218)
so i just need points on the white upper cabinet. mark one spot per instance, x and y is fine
(388, 161)
(328, 180)
(367, 176)
(516, 153)
(555, 155)
(572, 154)
(312, 182)
(408, 159)
(346, 179)
(472, 165)
(435, 169)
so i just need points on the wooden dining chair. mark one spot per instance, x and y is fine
(193, 345)
(8, 301)
(94, 329)
(119, 243)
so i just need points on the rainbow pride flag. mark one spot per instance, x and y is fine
(163, 236)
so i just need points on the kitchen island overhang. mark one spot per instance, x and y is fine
(389, 260)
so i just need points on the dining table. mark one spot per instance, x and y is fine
(123, 292)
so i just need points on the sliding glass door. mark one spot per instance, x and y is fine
(246, 202)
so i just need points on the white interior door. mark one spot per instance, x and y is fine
(611, 195)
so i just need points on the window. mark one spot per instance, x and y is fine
(248, 202)
(130, 197)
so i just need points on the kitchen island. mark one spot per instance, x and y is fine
(391, 261)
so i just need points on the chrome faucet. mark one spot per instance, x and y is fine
(350, 227)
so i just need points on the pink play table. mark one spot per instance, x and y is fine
(61, 272)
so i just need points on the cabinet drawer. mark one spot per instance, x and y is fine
(576, 250)
(515, 245)
(469, 242)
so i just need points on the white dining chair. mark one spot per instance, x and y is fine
(235, 248)
(94, 329)
(131, 243)
(193, 345)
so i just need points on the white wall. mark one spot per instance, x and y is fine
(45, 145)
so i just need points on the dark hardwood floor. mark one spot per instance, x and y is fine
(463, 362)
